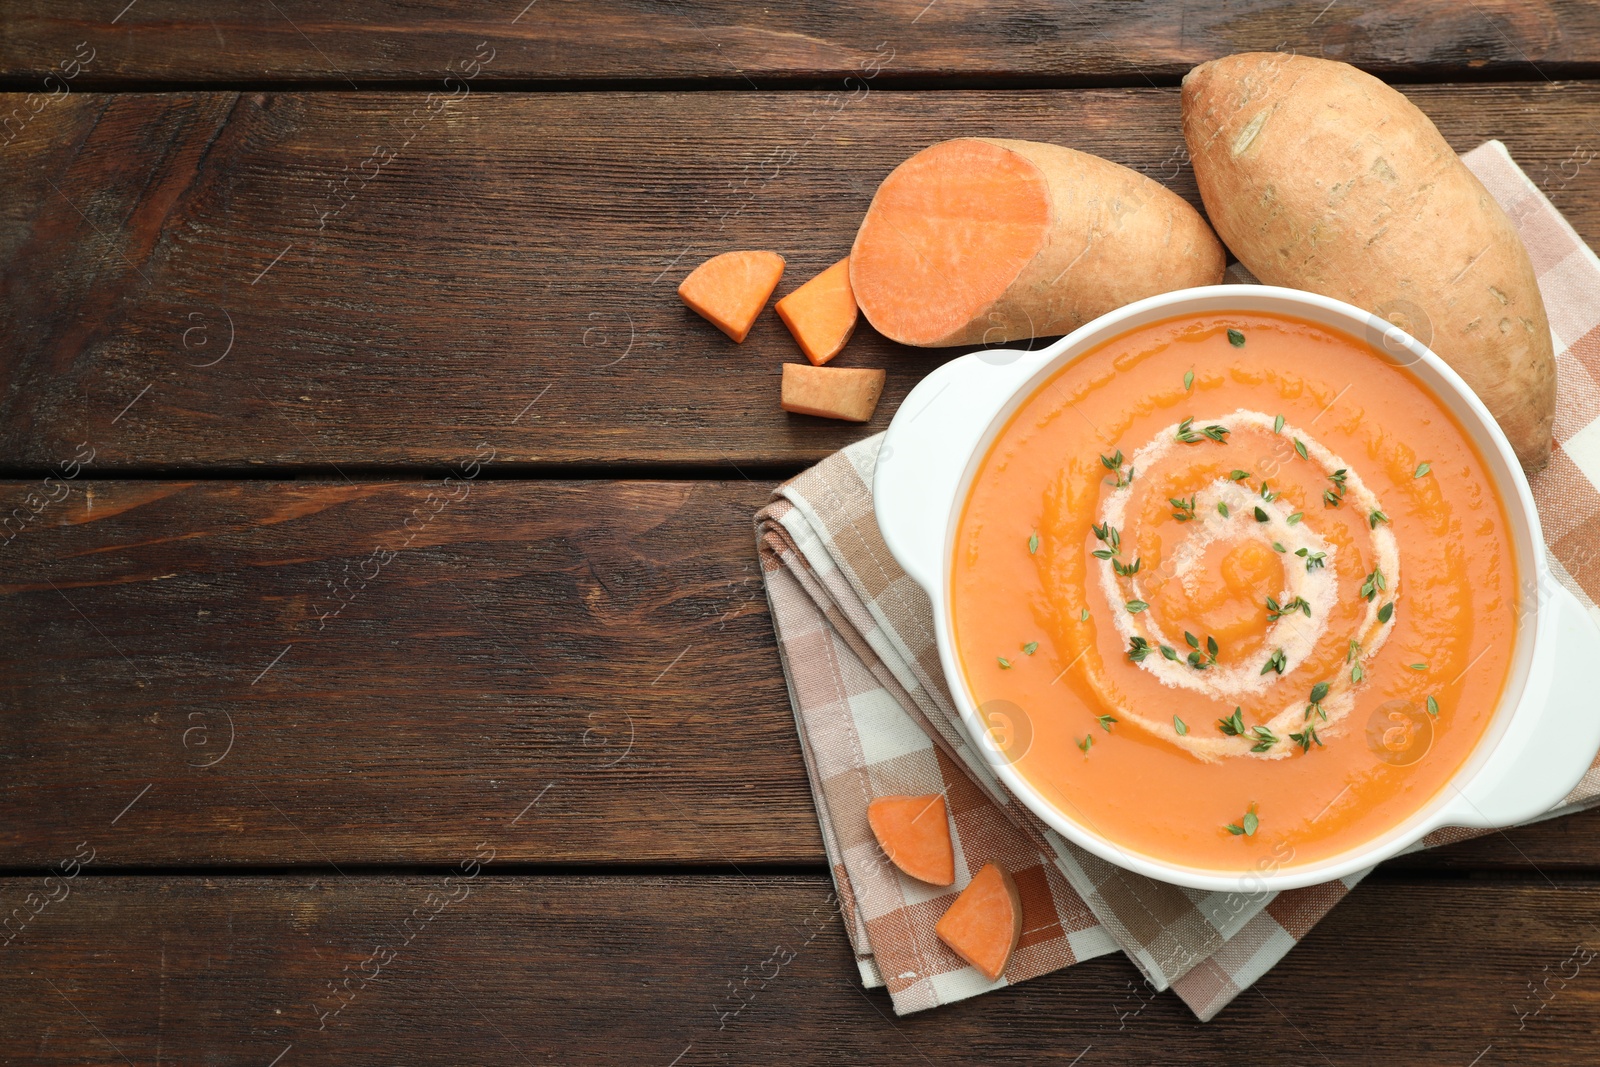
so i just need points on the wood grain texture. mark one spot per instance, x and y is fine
(727, 42)
(602, 649)
(223, 280)
(739, 970)
(289, 695)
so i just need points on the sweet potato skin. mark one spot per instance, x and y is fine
(1320, 177)
(1114, 236)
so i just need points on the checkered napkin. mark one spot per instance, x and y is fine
(855, 635)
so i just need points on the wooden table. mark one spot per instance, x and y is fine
(387, 675)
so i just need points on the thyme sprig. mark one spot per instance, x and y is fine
(1188, 435)
(1276, 611)
(1113, 463)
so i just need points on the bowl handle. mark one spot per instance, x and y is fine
(927, 448)
(1527, 780)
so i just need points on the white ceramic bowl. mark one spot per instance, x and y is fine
(1543, 736)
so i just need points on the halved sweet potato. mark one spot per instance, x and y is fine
(849, 393)
(981, 240)
(914, 832)
(730, 290)
(985, 922)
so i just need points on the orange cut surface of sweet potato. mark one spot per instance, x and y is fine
(983, 925)
(981, 240)
(849, 393)
(730, 290)
(822, 313)
(914, 832)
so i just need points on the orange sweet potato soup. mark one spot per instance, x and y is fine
(1243, 592)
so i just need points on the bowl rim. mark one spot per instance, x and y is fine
(1449, 390)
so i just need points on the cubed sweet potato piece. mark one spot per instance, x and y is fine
(849, 393)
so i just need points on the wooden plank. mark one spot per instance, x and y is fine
(584, 668)
(299, 40)
(223, 672)
(688, 971)
(189, 281)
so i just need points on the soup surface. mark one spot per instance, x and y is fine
(1235, 592)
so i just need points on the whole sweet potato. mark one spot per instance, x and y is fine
(1321, 177)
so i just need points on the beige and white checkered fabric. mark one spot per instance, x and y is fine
(874, 716)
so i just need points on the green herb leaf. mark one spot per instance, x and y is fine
(1417, 666)
(1222, 509)
(1126, 570)
(1136, 606)
(1236, 339)
(1354, 650)
(1422, 470)
(1086, 744)
(1358, 674)
(1005, 664)
(1083, 616)
(1294, 604)
(1033, 545)
(1306, 738)
(1377, 517)
(1278, 661)
(1030, 648)
(1277, 546)
(1300, 447)
(1215, 432)
(1105, 721)
(1102, 553)
(1319, 692)
(1265, 738)
(1277, 424)
(1332, 499)
(1386, 612)
(1183, 508)
(1113, 462)
(1433, 706)
(1251, 821)
(1186, 434)
(1179, 725)
(1261, 516)
(1239, 475)
(1138, 649)
(1233, 725)
(1315, 560)
(1294, 520)
(1234, 830)
(1190, 639)
(1170, 652)
(1188, 379)
(1374, 582)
